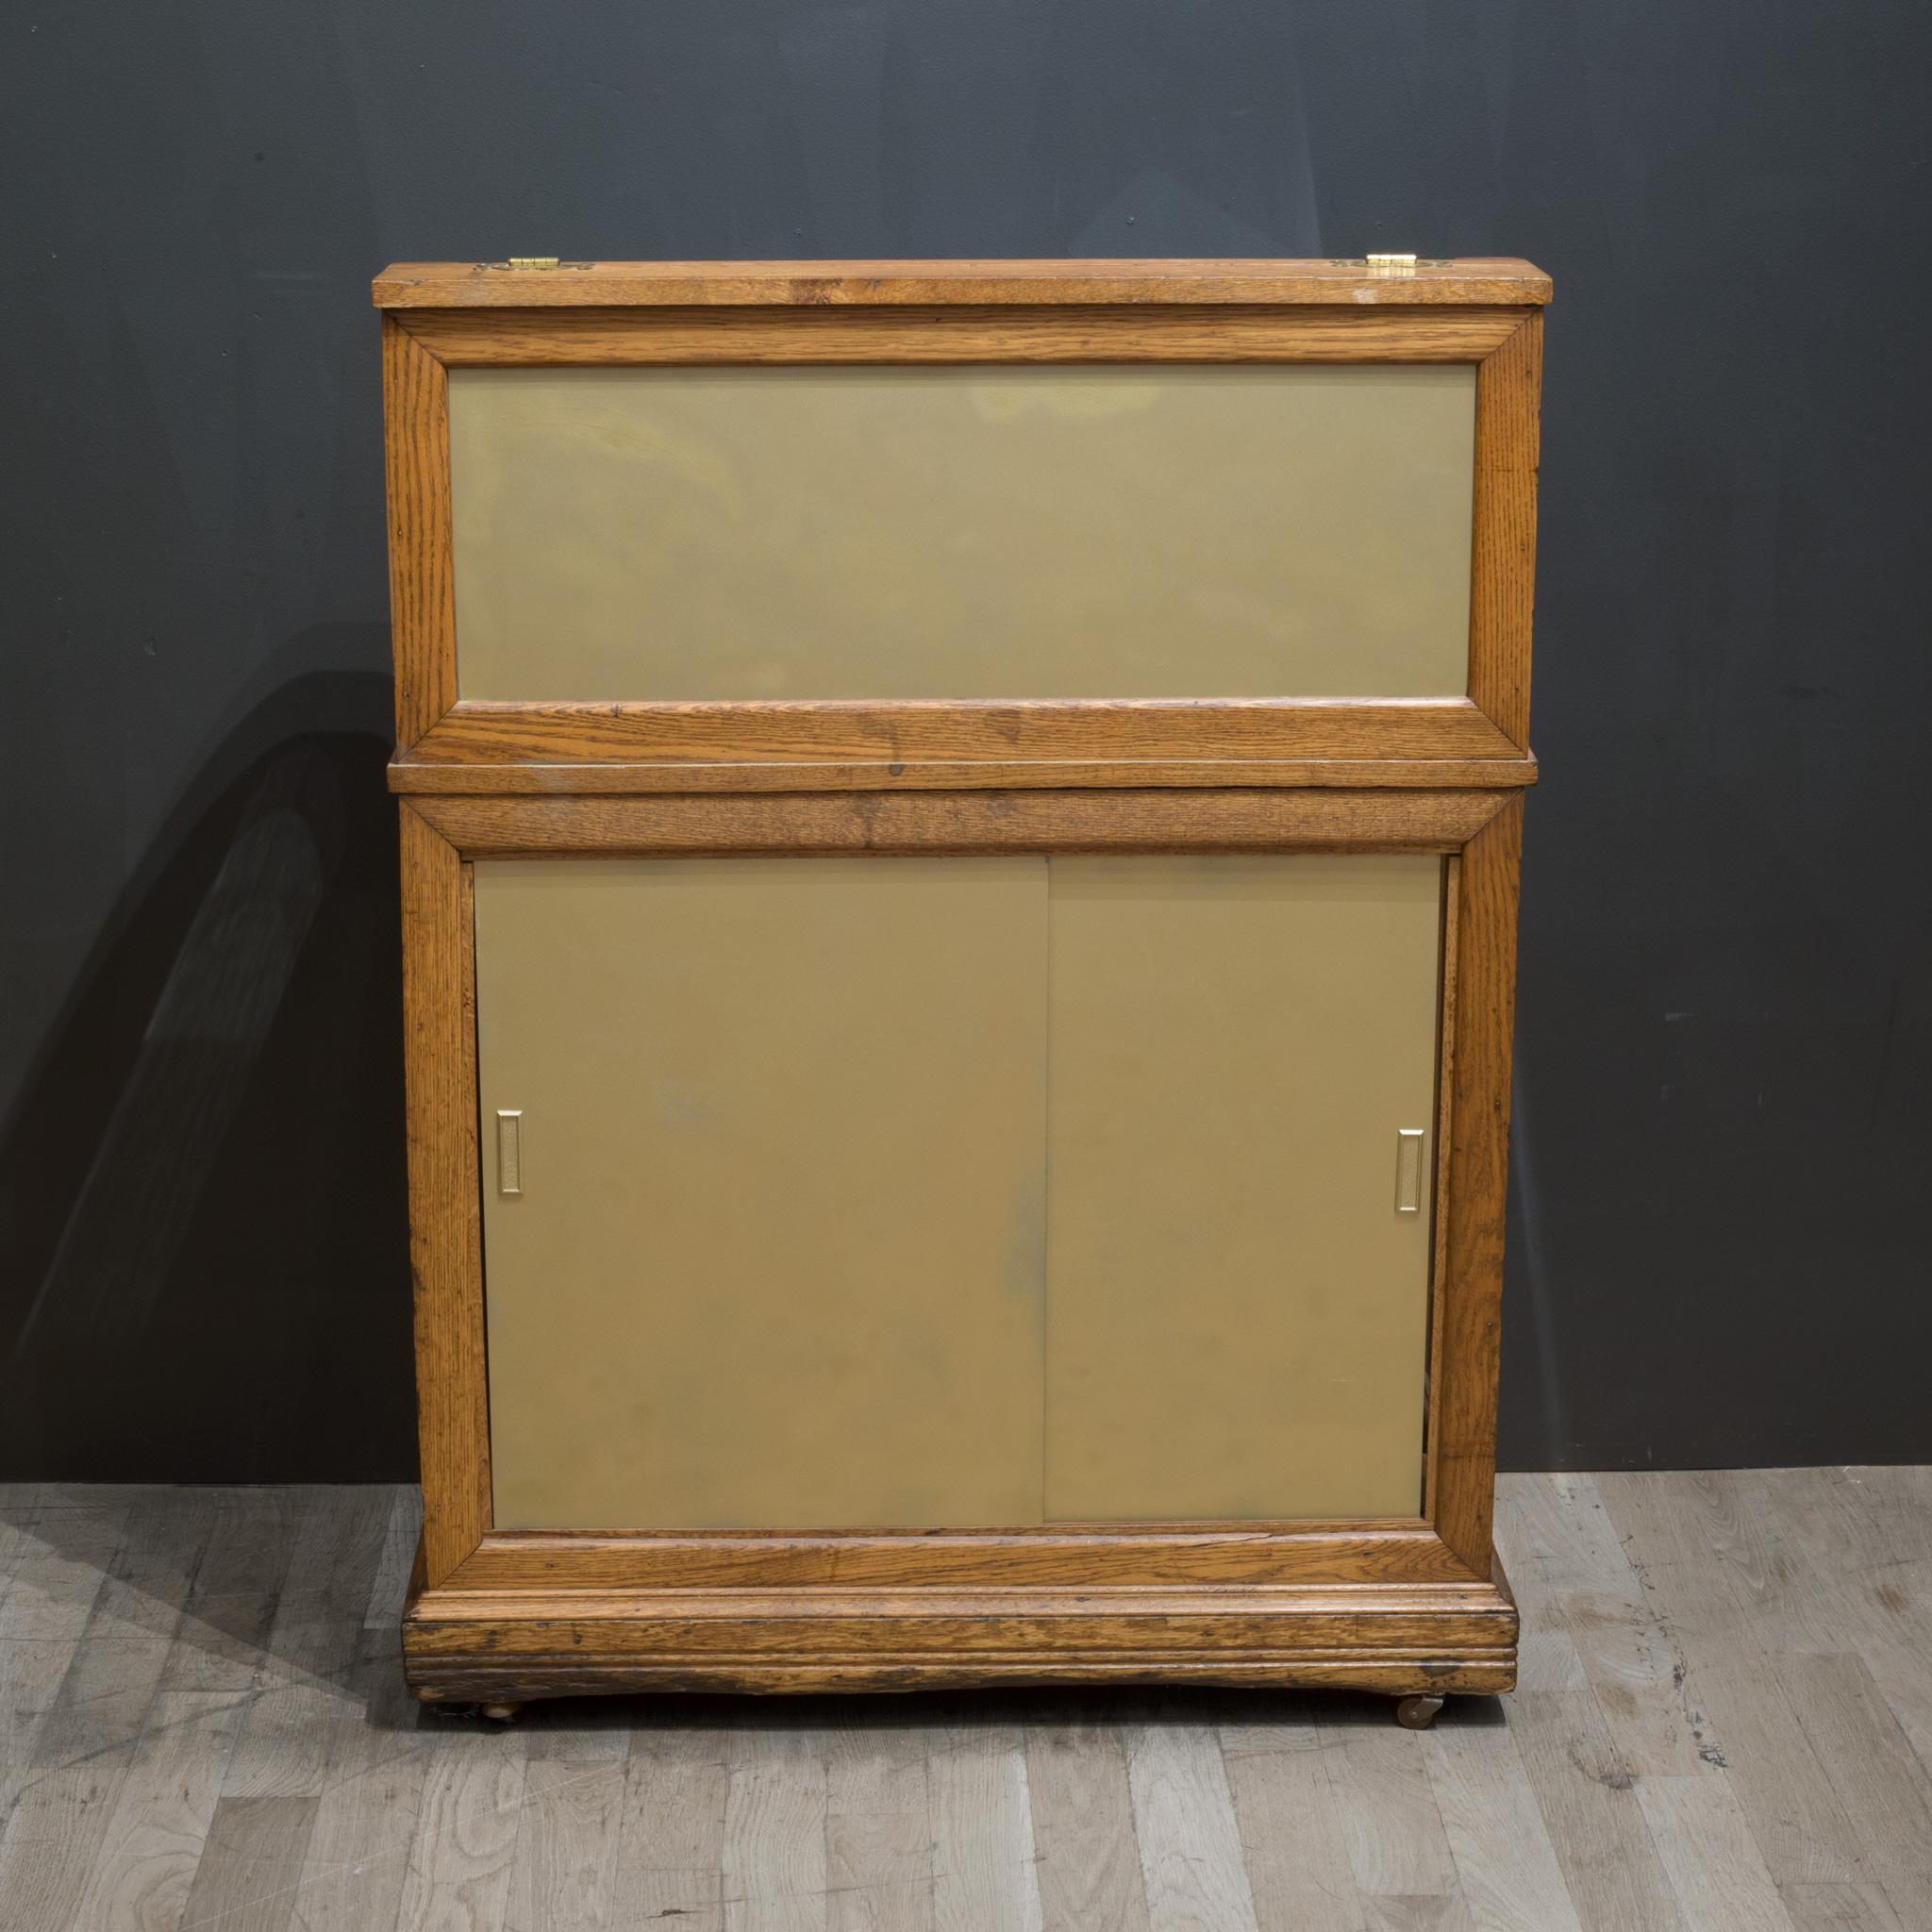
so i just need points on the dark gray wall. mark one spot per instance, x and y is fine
(1720, 1238)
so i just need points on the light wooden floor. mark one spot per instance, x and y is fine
(1726, 1722)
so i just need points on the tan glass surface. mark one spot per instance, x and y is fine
(1236, 1313)
(778, 1256)
(943, 1193)
(669, 533)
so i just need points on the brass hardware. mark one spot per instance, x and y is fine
(1389, 264)
(1408, 1170)
(510, 1150)
(533, 262)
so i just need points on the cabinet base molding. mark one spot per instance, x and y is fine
(501, 1647)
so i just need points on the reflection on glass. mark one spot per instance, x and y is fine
(945, 532)
(921, 1193)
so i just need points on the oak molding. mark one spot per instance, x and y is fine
(1405, 1638)
(886, 823)
(1234, 281)
(410, 779)
(1432, 742)
(589, 338)
(1391, 1604)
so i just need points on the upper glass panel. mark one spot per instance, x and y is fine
(691, 534)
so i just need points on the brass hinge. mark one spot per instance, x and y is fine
(533, 262)
(1389, 264)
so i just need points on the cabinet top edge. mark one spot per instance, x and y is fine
(1478, 281)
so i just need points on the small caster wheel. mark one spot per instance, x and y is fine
(1417, 1713)
(500, 1713)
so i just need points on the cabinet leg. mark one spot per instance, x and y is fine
(1417, 1713)
(500, 1713)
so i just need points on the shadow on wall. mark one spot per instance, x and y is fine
(204, 1255)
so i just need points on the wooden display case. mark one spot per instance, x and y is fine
(960, 825)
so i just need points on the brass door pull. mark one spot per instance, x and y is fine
(1408, 1170)
(510, 1150)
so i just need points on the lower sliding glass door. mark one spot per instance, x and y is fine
(955, 1192)
(780, 1128)
(1236, 1301)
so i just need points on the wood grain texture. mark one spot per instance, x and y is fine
(158, 1830)
(651, 746)
(1685, 1551)
(54, 1810)
(966, 822)
(367, 1814)
(1461, 1454)
(863, 284)
(878, 1831)
(1589, 1806)
(411, 776)
(1185, 1827)
(1445, 1140)
(1506, 1867)
(1502, 590)
(286, 1746)
(55, 1840)
(933, 1628)
(473, 1644)
(58, 1572)
(985, 1856)
(230, 1609)
(773, 1853)
(1003, 1809)
(1292, 1840)
(1578, 1590)
(1398, 1848)
(1102, 1554)
(1714, 1866)
(422, 569)
(568, 1829)
(670, 1846)
(460, 1860)
(445, 1222)
(1083, 1825)
(1841, 1908)
(400, 1542)
(251, 1864)
(1870, 1763)
(121, 1655)
(562, 338)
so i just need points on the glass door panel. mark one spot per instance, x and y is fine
(955, 1193)
(875, 533)
(1238, 1304)
(778, 1252)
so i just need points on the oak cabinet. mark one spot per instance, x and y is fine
(961, 828)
